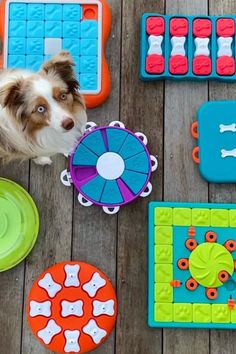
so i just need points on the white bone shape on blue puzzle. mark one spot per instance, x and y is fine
(155, 45)
(227, 128)
(202, 47)
(178, 46)
(224, 45)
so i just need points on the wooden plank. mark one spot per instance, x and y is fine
(12, 281)
(94, 232)
(55, 203)
(222, 342)
(181, 178)
(141, 110)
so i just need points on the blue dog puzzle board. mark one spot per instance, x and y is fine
(217, 141)
(35, 30)
(187, 47)
(171, 303)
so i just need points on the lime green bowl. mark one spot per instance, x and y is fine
(19, 224)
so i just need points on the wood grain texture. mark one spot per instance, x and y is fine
(141, 110)
(12, 281)
(94, 232)
(222, 342)
(182, 181)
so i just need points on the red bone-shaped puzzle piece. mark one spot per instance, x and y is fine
(202, 65)
(178, 64)
(202, 27)
(179, 26)
(225, 66)
(155, 26)
(155, 64)
(225, 27)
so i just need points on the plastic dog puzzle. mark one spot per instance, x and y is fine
(110, 167)
(192, 263)
(187, 47)
(215, 131)
(32, 31)
(19, 224)
(72, 308)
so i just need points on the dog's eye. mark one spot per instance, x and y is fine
(41, 109)
(63, 96)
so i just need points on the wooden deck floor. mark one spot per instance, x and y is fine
(118, 244)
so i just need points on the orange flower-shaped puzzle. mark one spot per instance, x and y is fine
(72, 307)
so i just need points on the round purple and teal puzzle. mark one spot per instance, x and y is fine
(110, 167)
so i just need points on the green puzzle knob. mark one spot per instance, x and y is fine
(207, 261)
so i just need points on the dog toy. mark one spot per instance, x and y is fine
(110, 167)
(187, 47)
(191, 265)
(72, 308)
(33, 31)
(215, 131)
(19, 224)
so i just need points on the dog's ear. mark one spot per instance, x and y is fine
(62, 65)
(11, 95)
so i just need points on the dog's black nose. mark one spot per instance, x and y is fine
(68, 124)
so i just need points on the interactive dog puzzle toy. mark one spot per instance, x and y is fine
(19, 224)
(110, 167)
(32, 31)
(192, 263)
(72, 308)
(187, 47)
(215, 130)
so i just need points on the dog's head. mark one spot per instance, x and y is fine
(46, 100)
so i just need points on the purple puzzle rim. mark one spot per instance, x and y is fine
(74, 178)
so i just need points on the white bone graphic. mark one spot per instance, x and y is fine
(94, 331)
(72, 278)
(228, 128)
(49, 285)
(202, 47)
(72, 345)
(94, 285)
(224, 45)
(103, 308)
(72, 308)
(47, 333)
(228, 153)
(177, 46)
(155, 44)
(40, 308)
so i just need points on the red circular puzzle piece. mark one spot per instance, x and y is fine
(225, 27)
(178, 65)
(72, 307)
(178, 26)
(155, 25)
(225, 66)
(202, 65)
(202, 27)
(155, 64)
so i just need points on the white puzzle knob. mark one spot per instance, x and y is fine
(72, 277)
(40, 308)
(202, 47)
(224, 45)
(178, 46)
(155, 45)
(72, 308)
(72, 338)
(49, 285)
(47, 333)
(103, 308)
(95, 332)
(94, 285)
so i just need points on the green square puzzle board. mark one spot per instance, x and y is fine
(191, 275)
